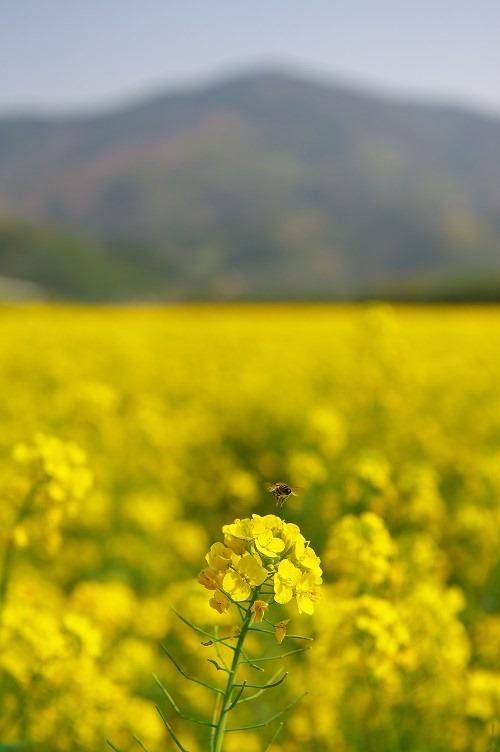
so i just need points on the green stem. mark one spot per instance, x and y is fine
(8, 557)
(221, 721)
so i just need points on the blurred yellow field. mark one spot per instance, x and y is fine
(130, 436)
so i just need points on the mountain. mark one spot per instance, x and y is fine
(266, 185)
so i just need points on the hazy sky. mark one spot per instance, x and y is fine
(72, 53)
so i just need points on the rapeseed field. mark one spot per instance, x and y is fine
(131, 436)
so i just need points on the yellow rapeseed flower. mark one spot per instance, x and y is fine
(209, 579)
(219, 556)
(247, 573)
(307, 593)
(285, 581)
(269, 546)
(219, 602)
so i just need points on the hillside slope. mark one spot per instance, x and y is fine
(68, 266)
(268, 185)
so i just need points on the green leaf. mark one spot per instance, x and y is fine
(274, 737)
(276, 657)
(140, 743)
(238, 695)
(269, 685)
(177, 709)
(187, 676)
(170, 731)
(110, 744)
(274, 717)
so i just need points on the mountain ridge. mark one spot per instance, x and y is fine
(283, 72)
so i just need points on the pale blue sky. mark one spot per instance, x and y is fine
(67, 54)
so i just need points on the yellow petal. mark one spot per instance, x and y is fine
(269, 546)
(236, 545)
(304, 604)
(208, 578)
(219, 556)
(307, 593)
(280, 630)
(252, 569)
(288, 572)
(237, 587)
(282, 593)
(258, 609)
(219, 602)
(239, 529)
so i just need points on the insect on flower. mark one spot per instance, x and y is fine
(281, 492)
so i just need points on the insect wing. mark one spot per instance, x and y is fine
(272, 487)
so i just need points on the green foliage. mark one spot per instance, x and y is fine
(65, 265)
(232, 695)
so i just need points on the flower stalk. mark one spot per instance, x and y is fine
(227, 701)
(8, 557)
(263, 561)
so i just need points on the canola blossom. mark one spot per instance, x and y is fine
(260, 550)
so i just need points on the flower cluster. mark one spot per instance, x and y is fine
(62, 466)
(360, 551)
(59, 479)
(262, 555)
